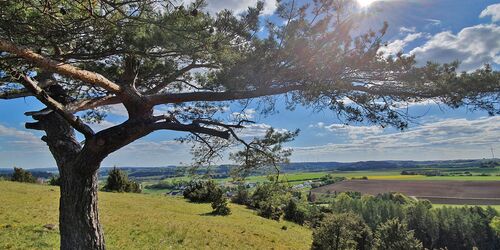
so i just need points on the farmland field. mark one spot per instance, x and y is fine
(446, 192)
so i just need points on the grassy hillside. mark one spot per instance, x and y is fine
(139, 221)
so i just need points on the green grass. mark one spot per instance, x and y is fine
(140, 221)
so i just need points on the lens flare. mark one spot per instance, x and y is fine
(365, 3)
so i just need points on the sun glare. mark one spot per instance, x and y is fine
(365, 3)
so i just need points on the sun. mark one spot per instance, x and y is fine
(365, 3)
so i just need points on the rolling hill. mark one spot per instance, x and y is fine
(139, 221)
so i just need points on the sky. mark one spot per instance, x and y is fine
(436, 30)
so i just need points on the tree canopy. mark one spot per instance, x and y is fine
(79, 57)
(89, 54)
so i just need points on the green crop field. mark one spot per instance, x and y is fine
(141, 221)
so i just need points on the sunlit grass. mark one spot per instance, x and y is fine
(140, 221)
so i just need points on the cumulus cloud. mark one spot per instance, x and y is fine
(256, 130)
(398, 45)
(18, 134)
(450, 138)
(473, 46)
(353, 132)
(12, 139)
(493, 11)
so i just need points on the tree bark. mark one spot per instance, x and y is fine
(78, 212)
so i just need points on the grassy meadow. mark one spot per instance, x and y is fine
(140, 221)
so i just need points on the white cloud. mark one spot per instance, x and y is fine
(473, 46)
(102, 125)
(256, 130)
(445, 139)
(398, 45)
(118, 109)
(408, 29)
(353, 132)
(15, 133)
(434, 22)
(493, 11)
(246, 114)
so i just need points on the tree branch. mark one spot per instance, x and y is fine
(41, 95)
(175, 75)
(219, 96)
(59, 67)
(190, 128)
(19, 93)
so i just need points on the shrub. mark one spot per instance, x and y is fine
(342, 231)
(202, 191)
(295, 211)
(55, 180)
(495, 225)
(394, 235)
(118, 181)
(270, 198)
(241, 196)
(21, 175)
(219, 204)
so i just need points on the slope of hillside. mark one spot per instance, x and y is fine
(138, 221)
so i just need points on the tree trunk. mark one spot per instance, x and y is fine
(78, 214)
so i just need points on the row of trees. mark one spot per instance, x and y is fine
(434, 228)
(386, 221)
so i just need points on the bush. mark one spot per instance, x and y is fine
(241, 196)
(270, 198)
(342, 231)
(219, 204)
(202, 191)
(118, 181)
(55, 180)
(21, 175)
(394, 235)
(495, 225)
(295, 211)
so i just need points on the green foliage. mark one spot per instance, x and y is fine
(495, 224)
(219, 204)
(295, 211)
(241, 196)
(269, 198)
(342, 232)
(55, 180)
(21, 175)
(169, 184)
(263, 152)
(451, 227)
(202, 191)
(394, 235)
(118, 182)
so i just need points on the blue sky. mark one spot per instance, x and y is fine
(438, 30)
